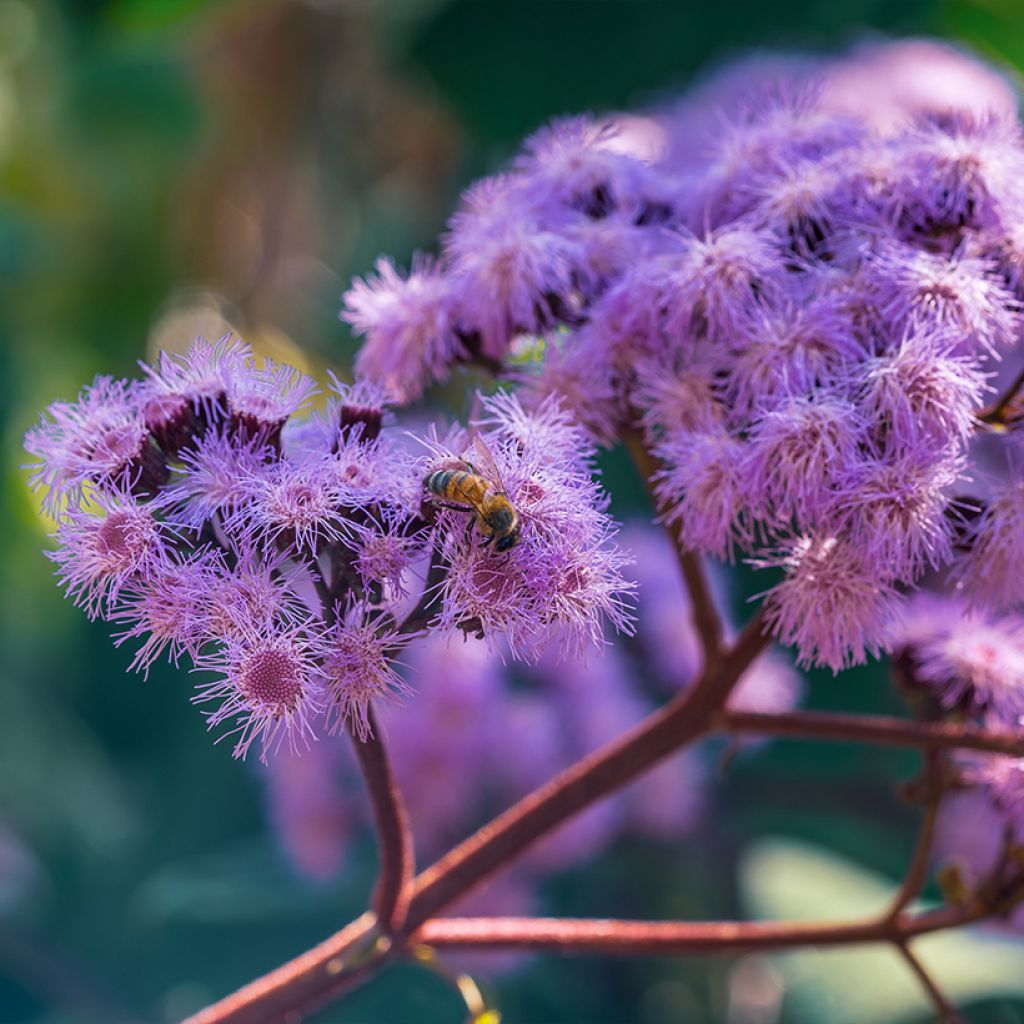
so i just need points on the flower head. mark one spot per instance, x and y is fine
(268, 689)
(169, 611)
(357, 669)
(99, 554)
(100, 439)
(409, 327)
(832, 606)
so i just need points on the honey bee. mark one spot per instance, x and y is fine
(480, 489)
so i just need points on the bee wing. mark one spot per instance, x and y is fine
(485, 463)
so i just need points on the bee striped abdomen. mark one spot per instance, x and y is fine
(457, 485)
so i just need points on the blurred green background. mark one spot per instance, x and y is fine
(167, 168)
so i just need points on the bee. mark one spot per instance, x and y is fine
(480, 489)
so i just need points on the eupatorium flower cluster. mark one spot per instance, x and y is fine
(288, 558)
(801, 304)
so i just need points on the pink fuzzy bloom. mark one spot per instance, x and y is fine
(100, 439)
(357, 669)
(677, 399)
(896, 511)
(958, 298)
(102, 551)
(962, 169)
(216, 478)
(268, 689)
(408, 324)
(510, 273)
(786, 352)
(296, 506)
(704, 490)
(969, 660)
(991, 572)
(832, 606)
(170, 609)
(797, 455)
(918, 392)
(573, 163)
(260, 591)
(261, 399)
(203, 375)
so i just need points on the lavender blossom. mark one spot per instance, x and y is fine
(832, 605)
(101, 439)
(268, 689)
(564, 576)
(970, 661)
(409, 326)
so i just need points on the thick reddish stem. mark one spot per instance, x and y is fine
(304, 984)
(590, 779)
(394, 837)
(879, 729)
(689, 938)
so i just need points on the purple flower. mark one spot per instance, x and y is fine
(704, 490)
(969, 660)
(888, 83)
(268, 689)
(99, 555)
(959, 297)
(895, 511)
(962, 170)
(261, 590)
(564, 573)
(294, 505)
(100, 439)
(680, 399)
(832, 606)
(572, 163)
(789, 351)
(357, 669)
(409, 327)
(216, 478)
(991, 573)
(511, 273)
(798, 453)
(261, 399)
(169, 609)
(919, 392)
(202, 376)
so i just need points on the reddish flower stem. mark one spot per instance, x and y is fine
(594, 777)
(681, 938)
(394, 837)
(877, 729)
(917, 870)
(947, 1012)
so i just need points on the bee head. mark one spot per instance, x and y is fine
(508, 541)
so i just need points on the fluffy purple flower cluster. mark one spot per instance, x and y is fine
(289, 556)
(801, 309)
